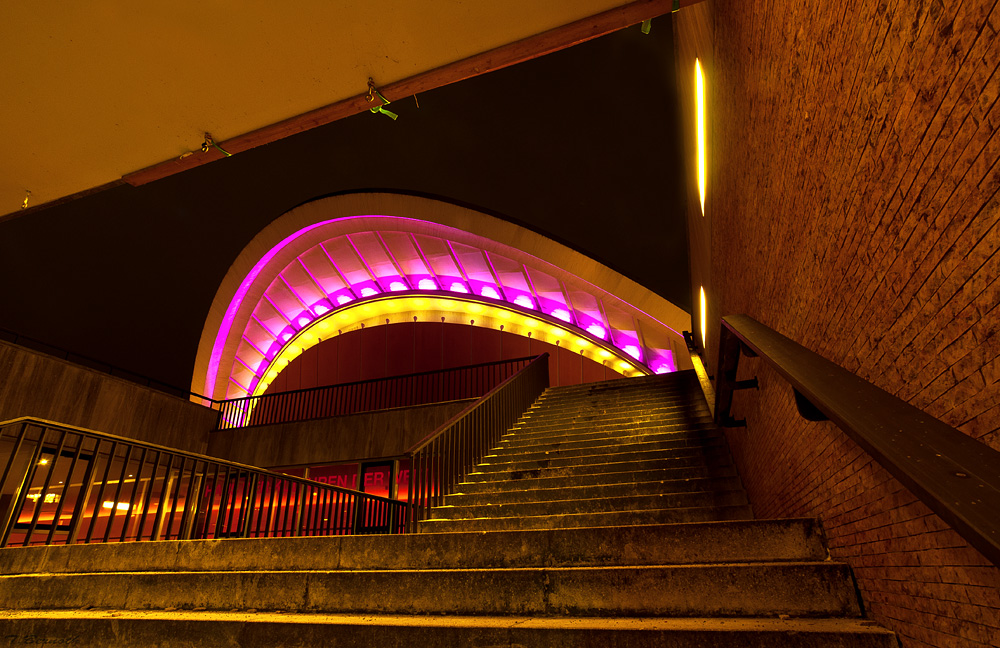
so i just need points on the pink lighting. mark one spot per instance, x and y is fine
(524, 301)
(667, 365)
(324, 276)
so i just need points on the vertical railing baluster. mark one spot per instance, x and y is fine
(207, 496)
(19, 439)
(22, 490)
(62, 494)
(192, 501)
(48, 481)
(118, 491)
(230, 498)
(99, 504)
(149, 492)
(129, 514)
(81, 501)
(272, 486)
(176, 500)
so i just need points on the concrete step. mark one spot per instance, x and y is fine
(527, 481)
(670, 396)
(604, 446)
(599, 468)
(623, 385)
(135, 629)
(591, 505)
(633, 415)
(708, 542)
(710, 454)
(509, 444)
(579, 430)
(546, 406)
(627, 488)
(585, 435)
(576, 520)
(801, 589)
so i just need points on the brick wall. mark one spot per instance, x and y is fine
(854, 207)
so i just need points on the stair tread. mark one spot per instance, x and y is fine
(407, 620)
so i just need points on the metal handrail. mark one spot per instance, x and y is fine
(407, 390)
(445, 457)
(162, 493)
(955, 475)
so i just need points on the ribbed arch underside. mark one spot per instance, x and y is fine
(371, 259)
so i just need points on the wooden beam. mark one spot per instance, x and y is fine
(526, 49)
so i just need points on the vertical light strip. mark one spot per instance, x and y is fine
(704, 317)
(700, 93)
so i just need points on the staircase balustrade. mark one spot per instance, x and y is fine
(66, 485)
(955, 475)
(447, 455)
(367, 395)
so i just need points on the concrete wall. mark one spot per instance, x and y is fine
(35, 384)
(853, 206)
(386, 433)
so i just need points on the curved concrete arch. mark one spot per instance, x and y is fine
(339, 218)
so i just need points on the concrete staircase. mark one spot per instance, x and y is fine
(610, 516)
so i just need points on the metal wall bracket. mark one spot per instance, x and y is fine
(807, 410)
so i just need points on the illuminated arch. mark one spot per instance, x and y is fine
(363, 258)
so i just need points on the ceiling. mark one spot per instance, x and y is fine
(100, 90)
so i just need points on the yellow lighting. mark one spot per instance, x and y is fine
(43, 462)
(700, 93)
(404, 309)
(704, 316)
(625, 366)
(122, 506)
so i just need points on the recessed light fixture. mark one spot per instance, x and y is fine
(699, 81)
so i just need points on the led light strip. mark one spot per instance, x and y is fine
(399, 309)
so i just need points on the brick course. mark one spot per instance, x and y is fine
(854, 206)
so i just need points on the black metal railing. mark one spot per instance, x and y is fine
(444, 458)
(955, 475)
(367, 395)
(65, 485)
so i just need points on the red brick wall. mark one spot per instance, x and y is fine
(853, 206)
